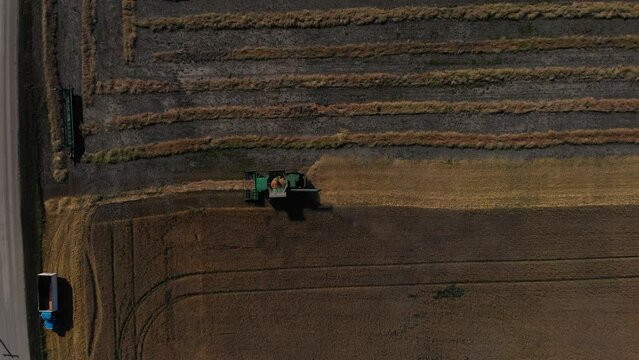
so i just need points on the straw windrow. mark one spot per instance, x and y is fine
(366, 50)
(370, 15)
(59, 169)
(141, 120)
(463, 77)
(386, 139)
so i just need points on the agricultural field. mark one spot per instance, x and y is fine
(477, 162)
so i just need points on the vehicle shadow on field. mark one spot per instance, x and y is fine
(65, 307)
(296, 202)
(78, 112)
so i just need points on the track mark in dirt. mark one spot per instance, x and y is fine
(165, 284)
(177, 299)
(113, 297)
(97, 305)
(132, 252)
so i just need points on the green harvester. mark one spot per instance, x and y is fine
(278, 184)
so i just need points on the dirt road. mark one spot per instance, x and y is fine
(13, 326)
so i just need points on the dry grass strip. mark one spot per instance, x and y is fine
(478, 184)
(372, 108)
(463, 77)
(129, 31)
(88, 50)
(62, 204)
(370, 15)
(407, 47)
(59, 169)
(386, 139)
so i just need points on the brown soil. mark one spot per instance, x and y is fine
(242, 282)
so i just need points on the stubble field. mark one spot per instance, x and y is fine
(477, 162)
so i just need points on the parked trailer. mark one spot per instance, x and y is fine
(48, 299)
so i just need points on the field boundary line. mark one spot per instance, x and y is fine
(533, 140)
(376, 108)
(360, 16)
(365, 50)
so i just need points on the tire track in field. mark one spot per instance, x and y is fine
(158, 311)
(97, 305)
(165, 283)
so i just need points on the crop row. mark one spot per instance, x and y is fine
(129, 31)
(462, 77)
(386, 139)
(406, 47)
(371, 15)
(88, 50)
(141, 120)
(51, 80)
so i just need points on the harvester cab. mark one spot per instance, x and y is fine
(278, 184)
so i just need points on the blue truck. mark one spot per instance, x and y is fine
(48, 299)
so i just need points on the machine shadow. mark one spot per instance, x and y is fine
(65, 307)
(78, 111)
(296, 202)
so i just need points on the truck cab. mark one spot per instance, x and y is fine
(48, 299)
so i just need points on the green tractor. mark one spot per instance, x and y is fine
(277, 185)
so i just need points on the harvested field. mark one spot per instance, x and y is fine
(149, 263)
(477, 163)
(352, 268)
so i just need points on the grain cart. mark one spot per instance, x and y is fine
(278, 184)
(48, 299)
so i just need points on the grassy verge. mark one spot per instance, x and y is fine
(396, 48)
(373, 108)
(463, 77)
(129, 31)
(49, 29)
(387, 139)
(88, 50)
(370, 15)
